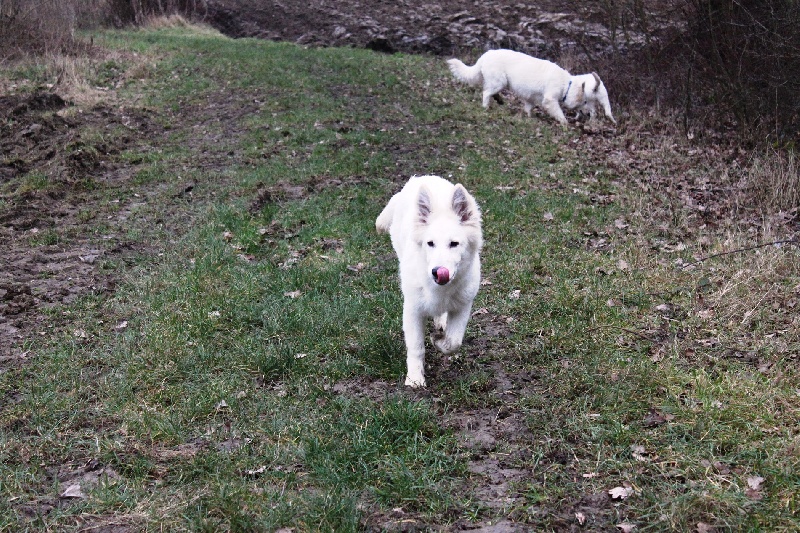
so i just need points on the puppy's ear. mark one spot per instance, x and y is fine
(423, 205)
(463, 206)
(597, 80)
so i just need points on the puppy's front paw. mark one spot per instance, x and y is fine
(445, 345)
(415, 382)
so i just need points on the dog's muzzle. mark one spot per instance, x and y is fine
(440, 275)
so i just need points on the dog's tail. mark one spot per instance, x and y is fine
(469, 75)
(384, 221)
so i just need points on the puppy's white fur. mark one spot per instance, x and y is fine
(536, 81)
(434, 224)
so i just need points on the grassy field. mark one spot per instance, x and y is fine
(246, 374)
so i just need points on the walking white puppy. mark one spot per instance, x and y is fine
(435, 228)
(536, 81)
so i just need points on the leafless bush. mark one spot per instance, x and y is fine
(731, 63)
(47, 26)
(746, 58)
(35, 26)
(772, 182)
(123, 12)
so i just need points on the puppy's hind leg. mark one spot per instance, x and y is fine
(440, 322)
(490, 89)
(487, 97)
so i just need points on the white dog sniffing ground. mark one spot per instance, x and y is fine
(536, 81)
(435, 228)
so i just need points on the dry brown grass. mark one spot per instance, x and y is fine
(754, 297)
(174, 20)
(772, 182)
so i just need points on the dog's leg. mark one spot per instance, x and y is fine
(487, 97)
(454, 330)
(440, 322)
(414, 331)
(528, 108)
(440, 326)
(490, 89)
(554, 110)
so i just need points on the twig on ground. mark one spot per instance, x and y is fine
(787, 241)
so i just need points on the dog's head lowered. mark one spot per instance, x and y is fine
(448, 232)
(592, 93)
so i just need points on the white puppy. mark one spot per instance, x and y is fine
(535, 81)
(435, 228)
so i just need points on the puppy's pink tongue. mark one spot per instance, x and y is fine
(442, 275)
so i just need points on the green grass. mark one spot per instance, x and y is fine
(256, 383)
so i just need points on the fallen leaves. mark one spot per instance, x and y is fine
(656, 417)
(753, 490)
(638, 452)
(73, 491)
(86, 480)
(621, 492)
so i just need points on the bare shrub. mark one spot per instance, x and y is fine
(772, 183)
(37, 26)
(746, 59)
(138, 12)
(730, 65)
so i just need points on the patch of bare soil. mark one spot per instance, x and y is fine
(417, 26)
(68, 199)
(48, 171)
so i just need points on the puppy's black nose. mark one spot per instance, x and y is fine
(435, 275)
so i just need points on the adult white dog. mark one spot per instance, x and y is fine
(435, 228)
(536, 81)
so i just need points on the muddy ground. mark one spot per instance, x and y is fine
(417, 26)
(61, 183)
(49, 173)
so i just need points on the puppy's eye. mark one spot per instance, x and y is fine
(430, 244)
(453, 244)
